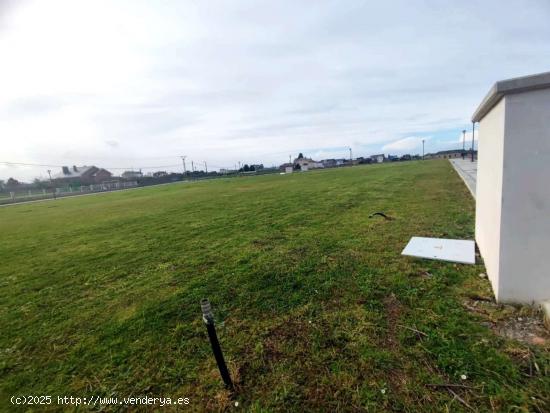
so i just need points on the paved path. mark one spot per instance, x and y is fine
(467, 170)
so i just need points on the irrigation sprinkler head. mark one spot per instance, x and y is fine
(207, 315)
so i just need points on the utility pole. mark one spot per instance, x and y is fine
(239, 165)
(350, 157)
(184, 169)
(422, 149)
(51, 182)
(473, 131)
(206, 167)
(192, 167)
(289, 158)
(463, 142)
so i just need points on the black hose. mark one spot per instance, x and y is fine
(382, 215)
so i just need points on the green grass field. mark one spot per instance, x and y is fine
(314, 303)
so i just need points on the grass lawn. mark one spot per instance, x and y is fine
(314, 303)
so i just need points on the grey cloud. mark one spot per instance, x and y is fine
(33, 106)
(220, 80)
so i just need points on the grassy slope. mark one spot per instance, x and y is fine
(100, 295)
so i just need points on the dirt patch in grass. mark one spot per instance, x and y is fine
(291, 334)
(393, 312)
(526, 329)
(521, 323)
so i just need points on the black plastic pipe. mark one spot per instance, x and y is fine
(208, 319)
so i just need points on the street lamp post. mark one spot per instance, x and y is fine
(463, 142)
(350, 156)
(473, 131)
(184, 169)
(422, 149)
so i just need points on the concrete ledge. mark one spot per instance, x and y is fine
(505, 87)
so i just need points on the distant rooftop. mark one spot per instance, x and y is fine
(72, 171)
(452, 151)
(505, 87)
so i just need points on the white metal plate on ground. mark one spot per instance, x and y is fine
(454, 250)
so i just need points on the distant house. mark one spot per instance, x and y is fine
(160, 174)
(329, 163)
(363, 160)
(301, 164)
(378, 158)
(82, 175)
(131, 174)
(284, 167)
(340, 162)
(451, 154)
(307, 163)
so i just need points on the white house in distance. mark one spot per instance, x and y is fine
(131, 174)
(307, 164)
(378, 158)
(513, 188)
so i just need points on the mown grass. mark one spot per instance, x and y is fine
(316, 308)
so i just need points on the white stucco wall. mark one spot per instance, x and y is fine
(525, 221)
(489, 190)
(513, 196)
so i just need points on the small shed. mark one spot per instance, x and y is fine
(513, 188)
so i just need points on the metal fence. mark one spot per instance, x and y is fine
(34, 194)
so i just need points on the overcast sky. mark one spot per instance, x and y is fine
(138, 83)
